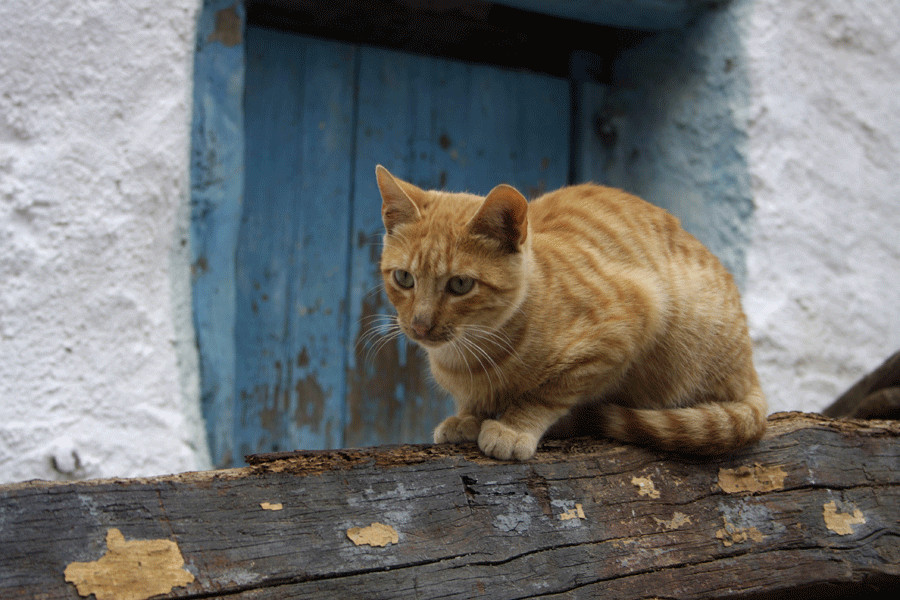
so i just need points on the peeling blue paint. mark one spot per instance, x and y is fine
(217, 163)
(293, 242)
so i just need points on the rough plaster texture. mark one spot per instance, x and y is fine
(823, 285)
(676, 129)
(97, 358)
(97, 367)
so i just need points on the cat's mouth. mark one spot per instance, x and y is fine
(429, 339)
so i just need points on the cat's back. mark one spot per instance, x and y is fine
(620, 225)
(587, 196)
(635, 263)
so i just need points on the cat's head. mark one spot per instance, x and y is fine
(452, 263)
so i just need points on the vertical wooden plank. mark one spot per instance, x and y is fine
(273, 86)
(593, 136)
(217, 161)
(521, 124)
(440, 124)
(292, 252)
(390, 398)
(593, 132)
(321, 247)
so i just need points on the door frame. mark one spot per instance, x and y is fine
(663, 115)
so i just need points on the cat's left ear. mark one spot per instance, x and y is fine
(503, 216)
(397, 204)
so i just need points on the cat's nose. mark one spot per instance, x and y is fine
(421, 325)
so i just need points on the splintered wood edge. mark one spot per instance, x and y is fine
(312, 462)
(188, 477)
(315, 461)
(785, 422)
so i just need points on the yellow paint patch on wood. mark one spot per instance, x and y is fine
(271, 505)
(678, 519)
(755, 478)
(133, 570)
(841, 522)
(573, 513)
(376, 534)
(645, 486)
(731, 534)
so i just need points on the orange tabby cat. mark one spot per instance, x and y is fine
(586, 309)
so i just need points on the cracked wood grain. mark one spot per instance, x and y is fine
(813, 509)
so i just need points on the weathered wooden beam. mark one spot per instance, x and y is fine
(812, 511)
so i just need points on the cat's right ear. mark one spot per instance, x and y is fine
(397, 204)
(503, 217)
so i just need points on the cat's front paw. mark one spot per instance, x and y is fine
(500, 441)
(457, 429)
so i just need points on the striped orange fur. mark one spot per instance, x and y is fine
(585, 310)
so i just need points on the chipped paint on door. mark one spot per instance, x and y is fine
(293, 245)
(440, 124)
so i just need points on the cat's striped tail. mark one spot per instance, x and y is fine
(709, 429)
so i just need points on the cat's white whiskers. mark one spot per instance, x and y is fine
(478, 353)
(375, 349)
(489, 333)
(470, 347)
(379, 330)
(397, 235)
(516, 308)
(369, 318)
(493, 336)
(462, 358)
(374, 291)
(375, 324)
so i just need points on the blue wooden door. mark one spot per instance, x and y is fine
(319, 115)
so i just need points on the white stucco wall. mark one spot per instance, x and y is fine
(823, 287)
(97, 357)
(96, 344)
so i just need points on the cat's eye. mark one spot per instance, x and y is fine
(404, 279)
(460, 285)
